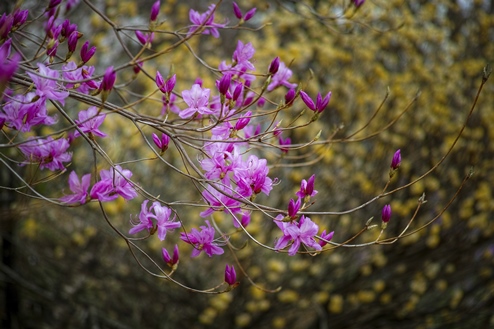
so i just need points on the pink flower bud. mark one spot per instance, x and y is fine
(72, 41)
(87, 53)
(170, 261)
(396, 161)
(274, 66)
(243, 121)
(237, 11)
(108, 79)
(155, 10)
(230, 275)
(386, 213)
(250, 14)
(162, 143)
(224, 83)
(290, 96)
(326, 237)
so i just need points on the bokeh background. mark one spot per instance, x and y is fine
(65, 267)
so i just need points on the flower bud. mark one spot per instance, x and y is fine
(87, 53)
(155, 10)
(396, 161)
(230, 275)
(162, 143)
(386, 215)
(274, 66)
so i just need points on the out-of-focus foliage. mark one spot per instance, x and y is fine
(73, 271)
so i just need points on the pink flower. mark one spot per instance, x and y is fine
(21, 113)
(197, 99)
(219, 201)
(252, 177)
(202, 240)
(89, 122)
(46, 84)
(49, 153)
(299, 233)
(156, 213)
(114, 182)
(78, 187)
(8, 66)
(307, 188)
(202, 20)
(242, 55)
(281, 78)
(169, 104)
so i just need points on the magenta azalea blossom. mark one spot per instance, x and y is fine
(89, 122)
(156, 213)
(241, 56)
(78, 187)
(8, 66)
(219, 201)
(114, 182)
(197, 99)
(297, 233)
(47, 85)
(21, 113)
(202, 241)
(307, 188)
(281, 78)
(49, 153)
(205, 19)
(252, 177)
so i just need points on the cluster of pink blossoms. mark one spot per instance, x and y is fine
(300, 231)
(234, 177)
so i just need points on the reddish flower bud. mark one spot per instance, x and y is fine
(290, 96)
(326, 237)
(162, 143)
(243, 121)
(386, 213)
(224, 83)
(155, 10)
(170, 261)
(396, 161)
(108, 79)
(72, 41)
(250, 14)
(274, 66)
(237, 11)
(87, 53)
(230, 275)
(20, 17)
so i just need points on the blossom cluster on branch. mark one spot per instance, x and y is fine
(227, 125)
